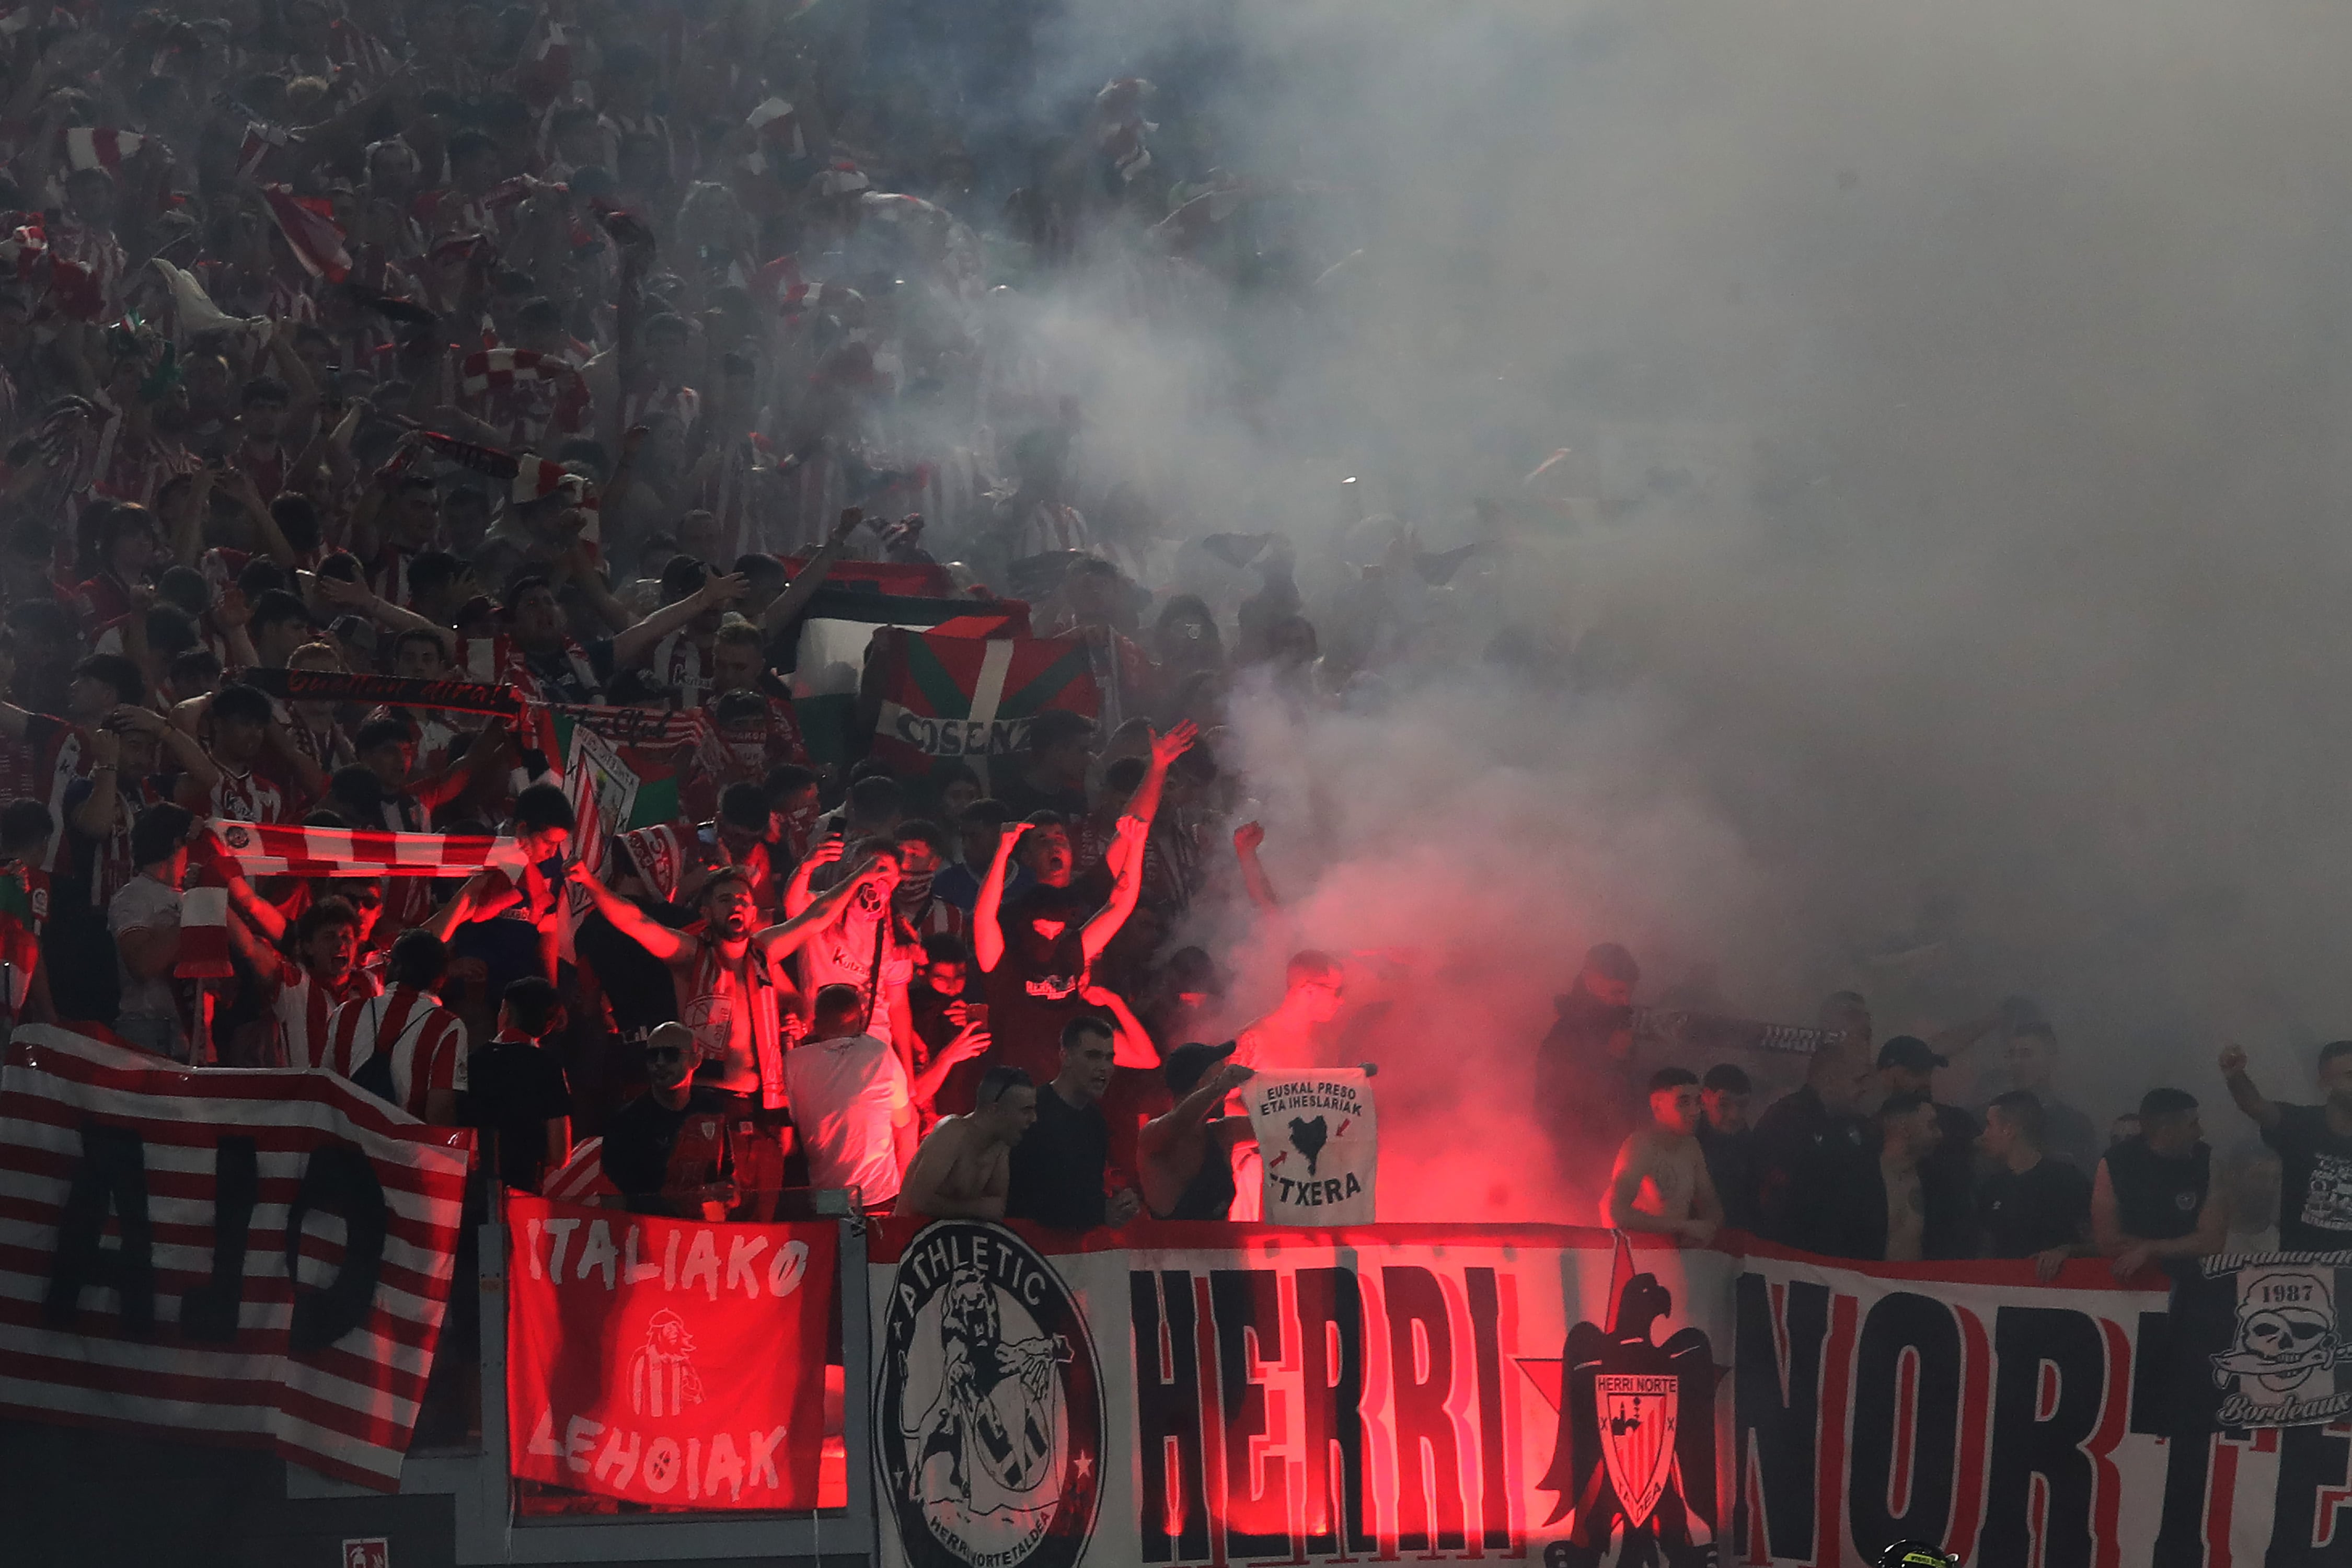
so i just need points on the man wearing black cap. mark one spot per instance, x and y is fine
(1907, 1065)
(1185, 1157)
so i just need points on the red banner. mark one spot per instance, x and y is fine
(669, 1361)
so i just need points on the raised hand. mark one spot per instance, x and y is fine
(1248, 837)
(1166, 748)
(2233, 1059)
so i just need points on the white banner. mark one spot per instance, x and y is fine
(1319, 1143)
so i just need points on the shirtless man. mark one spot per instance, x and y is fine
(1185, 1156)
(1660, 1183)
(1287, 1037)
(965, 1167)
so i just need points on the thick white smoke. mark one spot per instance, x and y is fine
(1954, 397)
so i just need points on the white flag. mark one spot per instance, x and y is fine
(1320, 1139)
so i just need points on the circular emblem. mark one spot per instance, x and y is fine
(237, 838)
(987, 1408)
(2184, 1201)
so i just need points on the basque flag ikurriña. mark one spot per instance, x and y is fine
(973, 698)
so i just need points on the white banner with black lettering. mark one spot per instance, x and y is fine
(1319, 1143)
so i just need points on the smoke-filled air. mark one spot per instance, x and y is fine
(1907, 444)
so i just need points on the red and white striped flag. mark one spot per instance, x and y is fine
(311, 233)
(290, 849)
(261, 139)
(780, 285)
(537, 478)
(581, 1179)
(204, 934)
(588, 830)
(101, 146)
(494, 370)
(23, 246)
(152, 1338)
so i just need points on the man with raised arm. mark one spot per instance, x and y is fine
(1035, 951)
(964, 1169)
(1184, 1156)
(2314, 1150)
(730, 991)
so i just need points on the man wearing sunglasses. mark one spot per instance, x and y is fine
(672, 1149)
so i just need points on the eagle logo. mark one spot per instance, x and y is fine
(1634, 1448)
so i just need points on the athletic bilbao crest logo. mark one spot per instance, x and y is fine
(1637, 1437)
(1635, 1449)
(988, 1409)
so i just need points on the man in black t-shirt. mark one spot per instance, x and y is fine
(2314, 1150)
(1587, 1098)
(515, 1088)
(671, 1151)
(2152, 1200)
(1906, 1065)
(1058, 1165)
(1729, 1142)
(2031, 1206)
(1813, 1155)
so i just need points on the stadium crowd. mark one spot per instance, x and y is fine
(588, 356)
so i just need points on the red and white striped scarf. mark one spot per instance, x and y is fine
(290, 850)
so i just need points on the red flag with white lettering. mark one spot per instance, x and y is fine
(678, 1363)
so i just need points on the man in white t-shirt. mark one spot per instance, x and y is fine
(850, 1103)
(144, 917)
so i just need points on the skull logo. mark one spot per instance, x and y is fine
(2286, 1334)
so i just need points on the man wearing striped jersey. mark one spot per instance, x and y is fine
(403, 1047)
(306, 990)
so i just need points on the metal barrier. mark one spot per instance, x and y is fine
(490, 1530)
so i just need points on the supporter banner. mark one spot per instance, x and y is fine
(2263, 1342)
(646, 758)
(972, 698)
(667, 1361)
(338, 686)
(1319, 1141)
(829, 662)
(255, 1257)
(1207, 1394)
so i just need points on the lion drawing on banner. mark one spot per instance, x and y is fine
(985, 1446)
(1634, 1450)
(2286, 1337)
(662, 1379)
